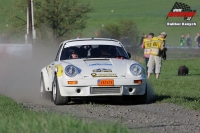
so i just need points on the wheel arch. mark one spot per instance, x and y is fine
(45, 77)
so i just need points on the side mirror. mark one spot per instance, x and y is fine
(129, 55)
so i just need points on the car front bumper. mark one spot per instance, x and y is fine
(89, 87)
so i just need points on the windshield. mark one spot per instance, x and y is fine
(93, 51)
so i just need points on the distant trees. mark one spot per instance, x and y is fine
(124, 30)
(60, 18)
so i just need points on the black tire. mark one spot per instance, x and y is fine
(140, 99)
(56, 97)
(43, 93)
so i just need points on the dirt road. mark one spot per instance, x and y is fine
(155, 118)
(21, 82)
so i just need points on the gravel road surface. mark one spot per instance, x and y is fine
(155, 118)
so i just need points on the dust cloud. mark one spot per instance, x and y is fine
(20, 76)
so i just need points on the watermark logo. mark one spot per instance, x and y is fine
(181, 24)
(181, 10)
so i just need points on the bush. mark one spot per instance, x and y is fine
(120, 30)
(125, 31)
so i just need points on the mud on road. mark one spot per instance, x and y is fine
(20, 80)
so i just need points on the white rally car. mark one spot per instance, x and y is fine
(100, 68)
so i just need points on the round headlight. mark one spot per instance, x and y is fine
(136, 69)
(71, 71)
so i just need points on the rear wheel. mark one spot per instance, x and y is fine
(57, 98)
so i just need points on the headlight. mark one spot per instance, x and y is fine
(136, 69)
(71, 71)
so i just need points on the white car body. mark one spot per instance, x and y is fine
(114, 73)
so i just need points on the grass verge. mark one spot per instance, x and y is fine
(14, 118)
(180, 90)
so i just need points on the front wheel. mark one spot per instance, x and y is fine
(57, 98)
(140, 99)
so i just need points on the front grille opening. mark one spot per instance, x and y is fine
(105, 90)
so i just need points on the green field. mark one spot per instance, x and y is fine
(150, 16)
(181, 90)
(3, 16)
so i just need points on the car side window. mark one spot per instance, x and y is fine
(57, 56)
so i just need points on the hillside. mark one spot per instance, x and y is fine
(150, 16)
(4, 16)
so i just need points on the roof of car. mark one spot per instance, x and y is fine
(92, 41)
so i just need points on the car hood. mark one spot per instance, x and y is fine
(92, 68)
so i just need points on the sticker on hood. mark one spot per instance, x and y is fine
(102, 70)
(100, 64)
(104, 74)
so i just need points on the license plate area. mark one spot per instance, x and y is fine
(105, 82)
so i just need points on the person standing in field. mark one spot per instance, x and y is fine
(189, 40)
(155, 59)
(4, 54)
(3, 39)
(79, 36)
(195, 39)
(198, 40)
(146, 45)
(142, 38)
(182, 40)
(97, 34)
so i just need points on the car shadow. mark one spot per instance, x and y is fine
(100, 101)
(113, 100)
(163, 97)
(151, 98)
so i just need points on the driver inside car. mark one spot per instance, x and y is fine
(74, 55)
